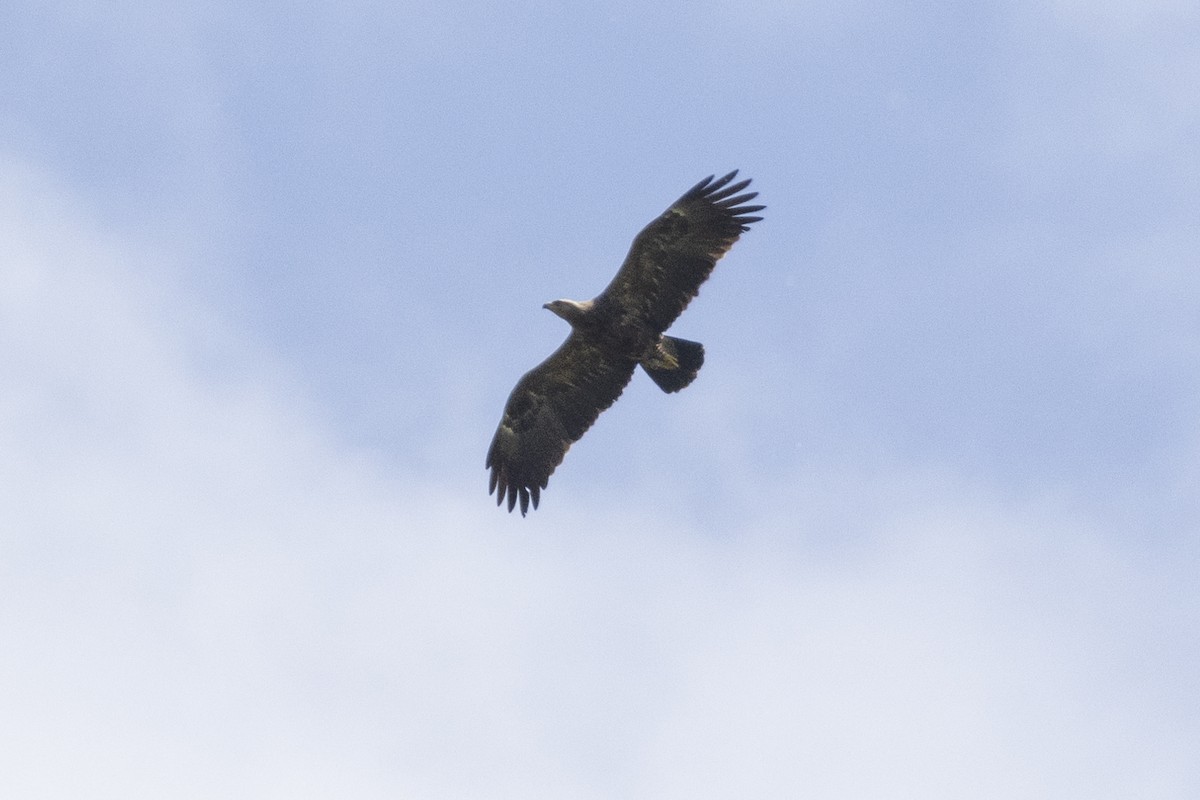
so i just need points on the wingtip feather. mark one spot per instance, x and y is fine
(741, 198)
(717, 186)
(700, 187)
(716, 197)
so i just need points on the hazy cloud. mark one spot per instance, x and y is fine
(204, 594)
(925, 527)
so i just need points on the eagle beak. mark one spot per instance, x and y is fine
(546, 306)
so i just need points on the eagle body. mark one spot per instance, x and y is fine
(612, 334)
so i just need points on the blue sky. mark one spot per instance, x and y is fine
(925, 526)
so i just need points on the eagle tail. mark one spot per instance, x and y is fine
(674, 363)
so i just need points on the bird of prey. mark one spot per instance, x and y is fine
(558, 400)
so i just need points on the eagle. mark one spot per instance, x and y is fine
(558, 400)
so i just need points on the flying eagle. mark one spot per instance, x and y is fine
(558, 400)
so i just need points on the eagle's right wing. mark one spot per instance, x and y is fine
(676, 252)
(549, 409)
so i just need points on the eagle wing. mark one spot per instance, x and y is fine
(676, 252)
(549, 409)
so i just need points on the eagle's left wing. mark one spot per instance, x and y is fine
(549, 409)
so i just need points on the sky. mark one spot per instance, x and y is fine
(925, 526)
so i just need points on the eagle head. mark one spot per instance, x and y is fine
(573, 311)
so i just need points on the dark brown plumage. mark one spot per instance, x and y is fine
(558, 400)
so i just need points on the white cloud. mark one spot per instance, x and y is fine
(203, 594)
(966, 656)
